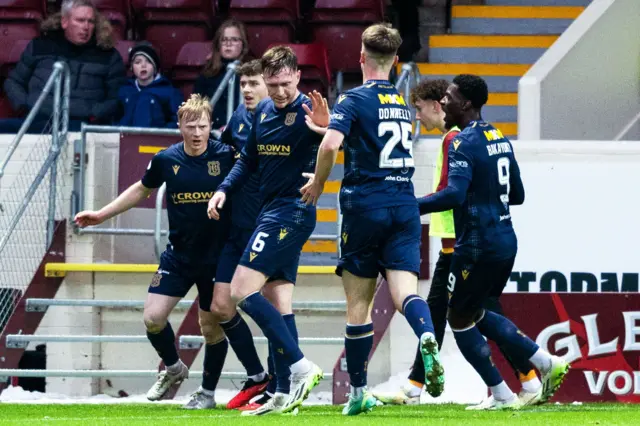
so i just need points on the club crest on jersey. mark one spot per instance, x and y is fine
(290, 118)
(456, 144)
(263, 116)
(241, 127)
(213, 168)
(175, 169)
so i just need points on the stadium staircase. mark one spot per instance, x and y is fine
(499, 41)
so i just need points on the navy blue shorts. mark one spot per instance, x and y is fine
(471, 283)
(373, 241)
(274, 249)
(175, 277)
(232, 253)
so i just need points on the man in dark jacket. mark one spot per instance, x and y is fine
(82, 38)
(148, 99)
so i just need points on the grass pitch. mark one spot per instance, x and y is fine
(445, 414)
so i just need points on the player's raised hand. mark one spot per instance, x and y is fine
(311, 190)
(88, 218)
(215, 204)
(317, 118)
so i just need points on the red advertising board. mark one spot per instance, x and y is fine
(598, 333)
(136, 151)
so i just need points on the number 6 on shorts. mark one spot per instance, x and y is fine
(258, 243)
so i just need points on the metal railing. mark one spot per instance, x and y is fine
(408, 79)
(193, 374)
(228, 83)
(29, 208)
(157, 232)
(41, 305)
(185, 342)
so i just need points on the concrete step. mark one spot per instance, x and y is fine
(512, 19)
(488, 49)
(500, 78)
(583, 3)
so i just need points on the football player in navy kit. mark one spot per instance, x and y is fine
(280, 148)
(484, 181)
(381, 222)
(191, 169)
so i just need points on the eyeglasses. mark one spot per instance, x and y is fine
(230, 40)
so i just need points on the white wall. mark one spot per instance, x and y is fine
(587, 85)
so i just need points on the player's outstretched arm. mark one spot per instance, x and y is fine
(327, 154)
(317, 118)
(449, 198)
(516, 188)
(128, 199)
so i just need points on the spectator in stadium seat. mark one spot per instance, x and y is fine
(148, 99)
(229, 44)
(82, 37)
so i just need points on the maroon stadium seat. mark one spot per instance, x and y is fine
(6, 111)
(172, 23)
(341, 23)
(10, 56)
(267, 21)
(123, 47)
(20, 20)
(117, 12)
(189, 64)
(314, 66)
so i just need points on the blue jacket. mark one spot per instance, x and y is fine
(155, 105)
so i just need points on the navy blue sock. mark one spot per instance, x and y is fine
(282, 369)
(165, 344)
(501, 330)
(417, 313)
(214, 356)
(477, 352)
(272, 325)
(358, 341)
(241, 341)
(271, 387)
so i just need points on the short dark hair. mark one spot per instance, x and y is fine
(249, 69)
(381, 40)
(474, 88)
(278, 58)
(429, 90)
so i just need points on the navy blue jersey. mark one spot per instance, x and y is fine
(483, 156)
(378, 160)
(279, 149)
(246, 201)
(191, 182)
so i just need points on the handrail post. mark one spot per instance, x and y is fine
(231, 96)
(157, 231)
(57, 69)
(231, 70)
(55, 148)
